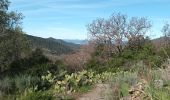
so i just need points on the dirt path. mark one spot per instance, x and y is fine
(96, 94)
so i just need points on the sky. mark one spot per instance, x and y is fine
(68, 19)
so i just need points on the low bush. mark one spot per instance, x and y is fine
(39, 95)
(76, 81)
(18, 84)
(98, 64)
(7, 85)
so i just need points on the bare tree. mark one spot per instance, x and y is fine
(113, 31)
(136, 30)
(97, 30)
(117, 28)
(110, 31)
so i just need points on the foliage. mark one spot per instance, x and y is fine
(13, 46)
(12, 42)
(97, 64)
(18, 84)
(76, 81)
(127, 58)
(31, 75)
(158, 92)
(54, 46)
(123, 81)
(164, 52)
(35, 64)
(7, 85)
(39, 95)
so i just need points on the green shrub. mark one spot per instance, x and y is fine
(78, 81)
(124, 89)
(96, 64)
(18, 84)
(128, 54)
(20, 66)
(24, 82)
(155, 61)
(7, 85)
(41, 69)
(158, 93)
(116, 63)
(164, 53)
(74, 81)
(40, 95)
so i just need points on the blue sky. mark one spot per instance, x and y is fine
(67, 19)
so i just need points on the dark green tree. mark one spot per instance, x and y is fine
(12, 41)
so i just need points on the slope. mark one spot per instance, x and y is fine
(54, 46)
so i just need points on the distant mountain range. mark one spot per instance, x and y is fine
(51, 45)
(76, 41)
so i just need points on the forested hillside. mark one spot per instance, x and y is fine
(55, 46)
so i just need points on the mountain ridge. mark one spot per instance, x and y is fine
(77, 41)
(55, 46)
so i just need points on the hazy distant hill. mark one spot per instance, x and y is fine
(76, 41)
(158, 42)
(52, 45)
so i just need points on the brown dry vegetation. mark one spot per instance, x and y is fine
(78, 60)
